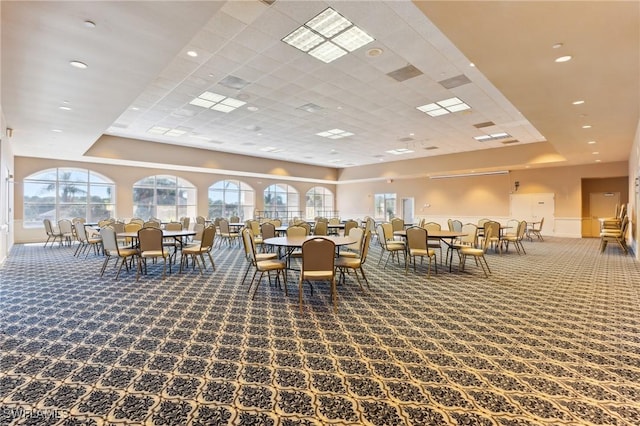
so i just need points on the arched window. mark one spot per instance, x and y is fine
(231, 198)
(66, 193)
(165, 197)
(319, 203)
(282, 201)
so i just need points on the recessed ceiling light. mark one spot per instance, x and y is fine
(400, 151)
(89, 24)
(565, 58)
(595, 153)
(217, 102)
(578, 102)
(56, 130)
(591, 142)
(472, 65)
(65, 108)
(252, 108)
(192, 53)
(135, 109)
(375, 51)
(334, 134)
(557, 45)
(597, 161)
(443, 107)
(328, 36)
(78, 64)
(586, 126)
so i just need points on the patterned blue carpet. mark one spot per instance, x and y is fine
(550, 338)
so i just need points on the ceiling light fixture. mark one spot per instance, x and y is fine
(565, 58)
(192, 53)
(580, 102)
(399, 151)
(586, 126)
(217, 102)
(78, 64)
(492, 137)
(591, 142)
(443, 107)
(335, 134)
(328, 36)
(498, 172)
(65, 108)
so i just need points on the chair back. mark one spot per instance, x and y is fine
(268, 230)
(432, 226)
(186, 221)
(541, 223)
(318, 254)
(249, 247)
(200, 219)
(173, 226)
(397, 224)
(455, 225)
(79, 219)
(494, 227)
(471, 239)
(137, 220)
(198, 228)
(387, 231)
(223, 224)
(276, 222)
(490, 231)
(234, 219)
(105, 222)
(47, 226)
(150, 239)
(118, 227)
(334, 221)
(320, 228)
(208, 237)
(109, 241)
(349, 225)
(151, 224)
(417, 238)
(522, 229)
(481, 222)
(356, 233)
(65, 226)
(132, 227)
(623, 211)
(297, 231)
(255, 227)
(81, 233)
(370, 225)
(364, 251)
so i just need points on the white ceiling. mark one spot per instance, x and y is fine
(140, 76)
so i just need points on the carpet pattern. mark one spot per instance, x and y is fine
(550, 338)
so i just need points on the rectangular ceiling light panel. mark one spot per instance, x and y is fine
(328, 36)
(443, 107)
(217, 102)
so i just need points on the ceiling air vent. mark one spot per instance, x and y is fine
(453, 82)
(407, 139)
(405, 73)
(233, 82)
(430, 148)
(268, 2)
(310, 107)
(485, 124)
(510, 142)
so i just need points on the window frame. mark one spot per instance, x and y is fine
(87, 182)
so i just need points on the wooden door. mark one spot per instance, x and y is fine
(601, 204)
